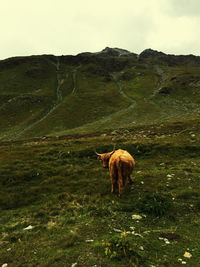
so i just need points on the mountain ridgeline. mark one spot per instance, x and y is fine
(96, 92)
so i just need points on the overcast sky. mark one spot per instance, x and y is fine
(63, 27)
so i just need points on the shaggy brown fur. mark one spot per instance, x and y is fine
(121, 165)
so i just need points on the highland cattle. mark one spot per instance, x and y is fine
(121, 165)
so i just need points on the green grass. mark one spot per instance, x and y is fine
(27, 92)
(96, 98)
(59, 188)
(55, 183)
(48, 95)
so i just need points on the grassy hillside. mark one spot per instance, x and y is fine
(59, 190)
(56, 208)
(48, 95)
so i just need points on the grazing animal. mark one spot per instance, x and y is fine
(121, 165)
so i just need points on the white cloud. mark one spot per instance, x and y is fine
(173, 35)
(70, 27)
(179, 8)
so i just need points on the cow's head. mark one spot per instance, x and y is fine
(104, 158)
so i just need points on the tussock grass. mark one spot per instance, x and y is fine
(61, 190)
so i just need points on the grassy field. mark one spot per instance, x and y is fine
(56, 208)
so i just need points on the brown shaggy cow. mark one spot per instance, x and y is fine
(121, 165)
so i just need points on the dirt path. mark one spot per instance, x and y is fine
(162, 77)
(61, 78)
(74, 81)
(121, 90)
(98, 124)
(74, 77)
(58, 100)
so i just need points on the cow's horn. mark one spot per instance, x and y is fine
(96, 152)
(112, 151)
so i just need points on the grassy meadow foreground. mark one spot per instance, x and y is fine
(56, 208)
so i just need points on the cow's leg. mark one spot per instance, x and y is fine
(121, 185)
(114, 185)
(113, 177)
(130, 180)
(121, 181)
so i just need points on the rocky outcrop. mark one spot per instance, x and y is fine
(108, 52)
(150, 53)
(115, 52)
(169, 59)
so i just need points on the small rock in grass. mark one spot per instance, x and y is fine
(30, 227)
(136, 217)
(181, 261)
(117, 230)
(166, 241)
(169, 176)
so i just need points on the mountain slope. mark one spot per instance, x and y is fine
(49, 95)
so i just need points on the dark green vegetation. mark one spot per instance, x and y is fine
(48, 95)
(56, 208)
(59, 188)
